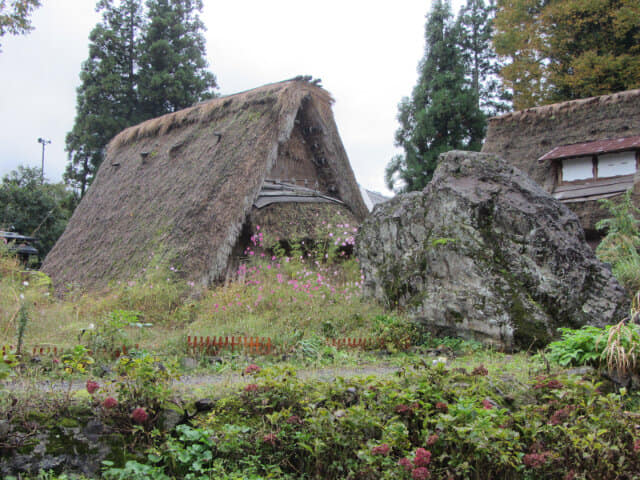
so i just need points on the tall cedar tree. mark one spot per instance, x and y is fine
(140, 66)
(442, 113)
(560, 50)
(483, 68)
(106, 99)
(173, 69)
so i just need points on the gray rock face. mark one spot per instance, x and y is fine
(484, 253)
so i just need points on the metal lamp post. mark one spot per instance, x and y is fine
(44, 143)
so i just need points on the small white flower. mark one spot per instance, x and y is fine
(22, 296)
(25, 283)
(439, 360)
(91, 326)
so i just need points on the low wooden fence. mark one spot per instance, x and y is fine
(213, 345)
(356, 343)
(54, 351)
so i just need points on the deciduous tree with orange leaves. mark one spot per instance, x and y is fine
(558, 50)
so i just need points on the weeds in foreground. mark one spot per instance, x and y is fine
(621, 350)
(614, 348)
(290, 295)
(429, 423)
(621, 244)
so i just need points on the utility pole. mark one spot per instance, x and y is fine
(44, 143)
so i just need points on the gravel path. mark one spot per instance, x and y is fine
(189, 382)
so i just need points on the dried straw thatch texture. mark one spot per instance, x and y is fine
(180, 187)
(524, 136)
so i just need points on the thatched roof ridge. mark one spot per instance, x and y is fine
(567, 107)
(179, 188)
(205, 111)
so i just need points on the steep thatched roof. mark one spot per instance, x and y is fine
(180, 187)
(525, 136)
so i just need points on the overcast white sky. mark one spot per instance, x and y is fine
(366, 53)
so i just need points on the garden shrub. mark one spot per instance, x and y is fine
(614, 347)
(429, 423)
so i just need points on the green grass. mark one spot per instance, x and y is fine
(284, 300)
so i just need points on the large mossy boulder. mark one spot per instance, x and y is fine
(484, 253)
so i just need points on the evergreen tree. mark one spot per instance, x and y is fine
(442, 113)
(141, 65)
(476, 29)
(173, 68)
(106, 99)
(30, 207)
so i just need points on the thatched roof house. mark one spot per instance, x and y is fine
(187, 188)
(580, 151)
(371, 198)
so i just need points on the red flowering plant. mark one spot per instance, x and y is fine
(416, 466)
(92, 386)
(251, 369)
(537, 457)
(378, 456)
(139, 415)
(144, 380)
(382, 449)
(252, 387)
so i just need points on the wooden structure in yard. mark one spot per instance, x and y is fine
(21, 245)
(189, 189)
(580, 151)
